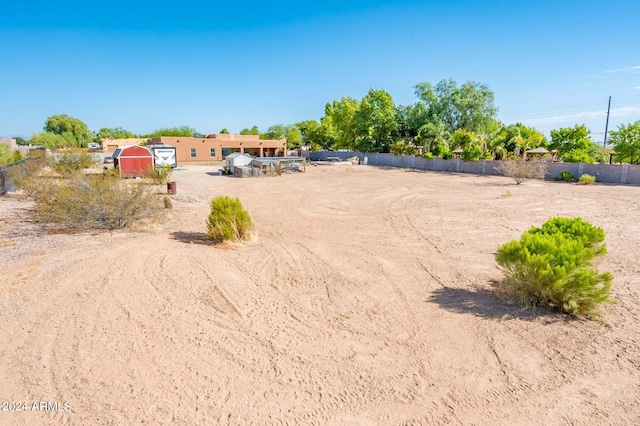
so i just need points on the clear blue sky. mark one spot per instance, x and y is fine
(149, 64)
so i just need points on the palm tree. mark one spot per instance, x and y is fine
(429, 133)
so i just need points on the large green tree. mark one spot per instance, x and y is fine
(252, 131)
(575, 145)
(375, 122)
(53, 141)
(276, 131)
(172, 131)
(627, 142)
(567, 139)
(293, 135)
(410, 120)
(113, 133)
(514, 138)
(318, 135)
(430, 133)
(62, 123)
(469, 107)
(290, 132)
(342, 114)
(461, 138)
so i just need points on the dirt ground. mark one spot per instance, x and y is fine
(365, 298)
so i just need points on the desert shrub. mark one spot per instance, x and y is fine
(228, 220)
(521, 170)
(551, 267)
(159, 175)
(71, 162)
(591, 237)
(565, 176)
(96, 201)
(586, 179)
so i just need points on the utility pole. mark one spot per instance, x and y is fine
(606, 127)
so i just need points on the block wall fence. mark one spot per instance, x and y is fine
(607, 173)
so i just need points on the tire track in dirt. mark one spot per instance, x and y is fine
(161, 338)
(506, 387)
(300, 261)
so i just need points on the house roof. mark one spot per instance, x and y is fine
(118, 152)
(236, 154)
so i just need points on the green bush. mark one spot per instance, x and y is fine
(565, 176)
(228, 220)
(71, 162)
(427, 155)
(586, 179)
(7, 156)
(159, 175)
(591, 237)
(551, 267)
(94, 201)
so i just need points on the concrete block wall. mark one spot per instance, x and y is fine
(554, 169)
(607, 173)
(604, 172)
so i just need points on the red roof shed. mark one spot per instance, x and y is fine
(133, 160)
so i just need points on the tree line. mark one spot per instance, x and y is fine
(445, 119)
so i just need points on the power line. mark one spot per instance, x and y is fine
(550, 113)
(567, 109)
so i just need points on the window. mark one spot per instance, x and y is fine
(212, 152)
(225, 152)
(193, 153)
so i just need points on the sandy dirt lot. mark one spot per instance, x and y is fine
(366, 298)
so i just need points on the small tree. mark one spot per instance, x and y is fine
(627, 142)
(228, 220)
(159, 175)
(551, 267)
(521, 170)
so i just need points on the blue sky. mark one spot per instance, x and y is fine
(209, 65)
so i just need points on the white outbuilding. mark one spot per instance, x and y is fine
(237, 159)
